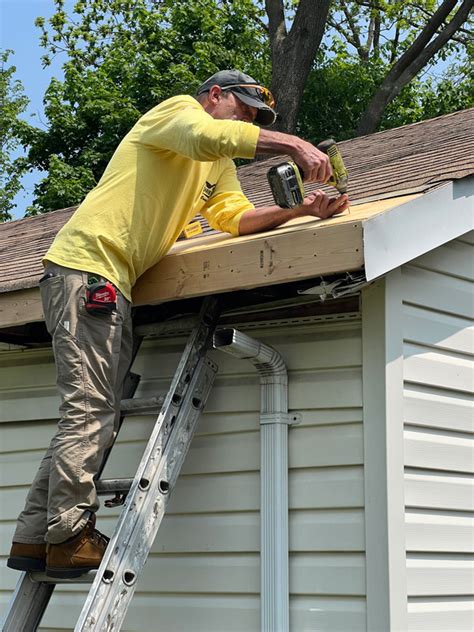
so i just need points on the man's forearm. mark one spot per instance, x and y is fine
(264, 218)
(270, 142)
(316, 204)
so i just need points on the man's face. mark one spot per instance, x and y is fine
(228, 106)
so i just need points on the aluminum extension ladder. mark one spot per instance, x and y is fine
(147, 495)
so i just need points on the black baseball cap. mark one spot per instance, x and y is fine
(247, 90)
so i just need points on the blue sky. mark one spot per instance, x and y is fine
(18, 32)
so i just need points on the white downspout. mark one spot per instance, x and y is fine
(274, 420)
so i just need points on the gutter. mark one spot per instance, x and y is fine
(274, 421)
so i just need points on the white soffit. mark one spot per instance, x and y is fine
(411, 229)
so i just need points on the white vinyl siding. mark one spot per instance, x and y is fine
(439, 419)
(203, 572)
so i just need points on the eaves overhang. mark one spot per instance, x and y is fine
(373, 238)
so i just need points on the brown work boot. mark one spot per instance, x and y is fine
(27, 557)
(78, 555)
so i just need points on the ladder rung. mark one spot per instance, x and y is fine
(113, 485)
(85, 578)
(138, 405)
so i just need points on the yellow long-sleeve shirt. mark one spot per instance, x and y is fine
(175, 162)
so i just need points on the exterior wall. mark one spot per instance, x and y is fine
(203, 573)
(438, 413)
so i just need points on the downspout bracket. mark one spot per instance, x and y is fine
(290, 419)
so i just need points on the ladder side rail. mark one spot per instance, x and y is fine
(27, 605)
(31, 598)
(199, 341)
(115, 582)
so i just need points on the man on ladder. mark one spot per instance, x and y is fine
(175, 162)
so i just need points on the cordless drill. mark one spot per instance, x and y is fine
(286, 179)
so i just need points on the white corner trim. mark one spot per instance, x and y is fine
(382, 380)
(411, 229)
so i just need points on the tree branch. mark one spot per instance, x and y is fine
(355, 33)
(370, 34)
(413, 60)
(394, 44)
(456, 38)
(428, 14)
(309, 17)
(427, 32)
(465, 41)
(342, 31)
(378, 24)
(421, 51)
(276, 20)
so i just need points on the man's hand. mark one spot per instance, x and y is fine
(314, 163)
(318, 204)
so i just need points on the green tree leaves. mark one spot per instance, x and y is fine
(64, 183)
(361, 47)
(337, 93)
(13, 130)
(406, 36)
(123, 58)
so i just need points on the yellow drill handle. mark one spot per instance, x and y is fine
(340, 175)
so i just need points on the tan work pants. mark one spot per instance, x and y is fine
(92, 354)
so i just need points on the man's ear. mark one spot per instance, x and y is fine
(215, 94)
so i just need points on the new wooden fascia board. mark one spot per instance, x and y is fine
(20, 307)
(247, 263)
(225, 266)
